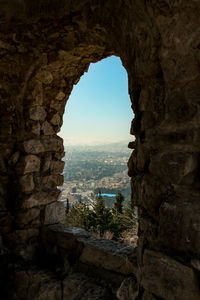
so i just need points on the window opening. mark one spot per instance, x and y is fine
(96, 189)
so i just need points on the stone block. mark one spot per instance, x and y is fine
(59, 155)
(47, 128)
(56, 120)
(54, 213)
(79, 286)
(46, 162)
(179, 222)
(35, 127)
(65, 237)
(51, 290)
(128, 289)
(56, 167)
(37, 113)
(27, 183)
(173, 166)
(29, 164)
(167, 278)
(148, 296)
(27, 216)
(39, 198)
(58, 106)
(34, 284)
(54, 144)
(109, 255)
(51, 181)
(34, 146)
(60, 96)
(45, 77)
(150, 192)
(21, 236)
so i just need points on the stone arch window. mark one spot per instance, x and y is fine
(45, 46)
(109, 123)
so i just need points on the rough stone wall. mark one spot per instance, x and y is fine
(45, 46)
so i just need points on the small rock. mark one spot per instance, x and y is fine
(54, 213)
(29, 163)
(51, 181)
(57, 167)
(45, 77)
(27, 183)
(14, 158)
(56, 120)
(35, 127)
(60, 96)
(128, 289)
(37, 113)
(47, 128)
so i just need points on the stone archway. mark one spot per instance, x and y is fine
(45, 48)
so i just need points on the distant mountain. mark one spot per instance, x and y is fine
(121, 146)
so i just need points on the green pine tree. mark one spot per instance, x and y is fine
(102, 215)
(118, 203)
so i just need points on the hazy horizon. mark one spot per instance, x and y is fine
(98, 110)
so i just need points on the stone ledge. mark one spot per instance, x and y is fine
(106, 254)
(109, 255)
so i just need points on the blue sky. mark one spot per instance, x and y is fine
(99, 108)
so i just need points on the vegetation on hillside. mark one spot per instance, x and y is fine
(103, 222)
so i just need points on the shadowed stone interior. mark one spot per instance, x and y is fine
(45, 47)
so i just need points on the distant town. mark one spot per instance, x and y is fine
(91, 169)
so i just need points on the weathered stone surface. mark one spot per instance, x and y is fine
(173, 165)
(51, 181)
(14, 158)
(27, 183)
(33, 146)
(47, 128)
(109, 255)
(45, 47)
(54, 213)
(56, 120)
(29, 164)
(57, 167)
(45, 77)
(6, 221)
(35, 127)
(37, 93)
(128, 289)
(46, 162)
(60, 96)
(148, 296)
(37, 113)
(64, 236)
(35, 284)
(40, 146)
(181, 213)
(27, 216)
(168, 278)
(39, 198)
(78, 286)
